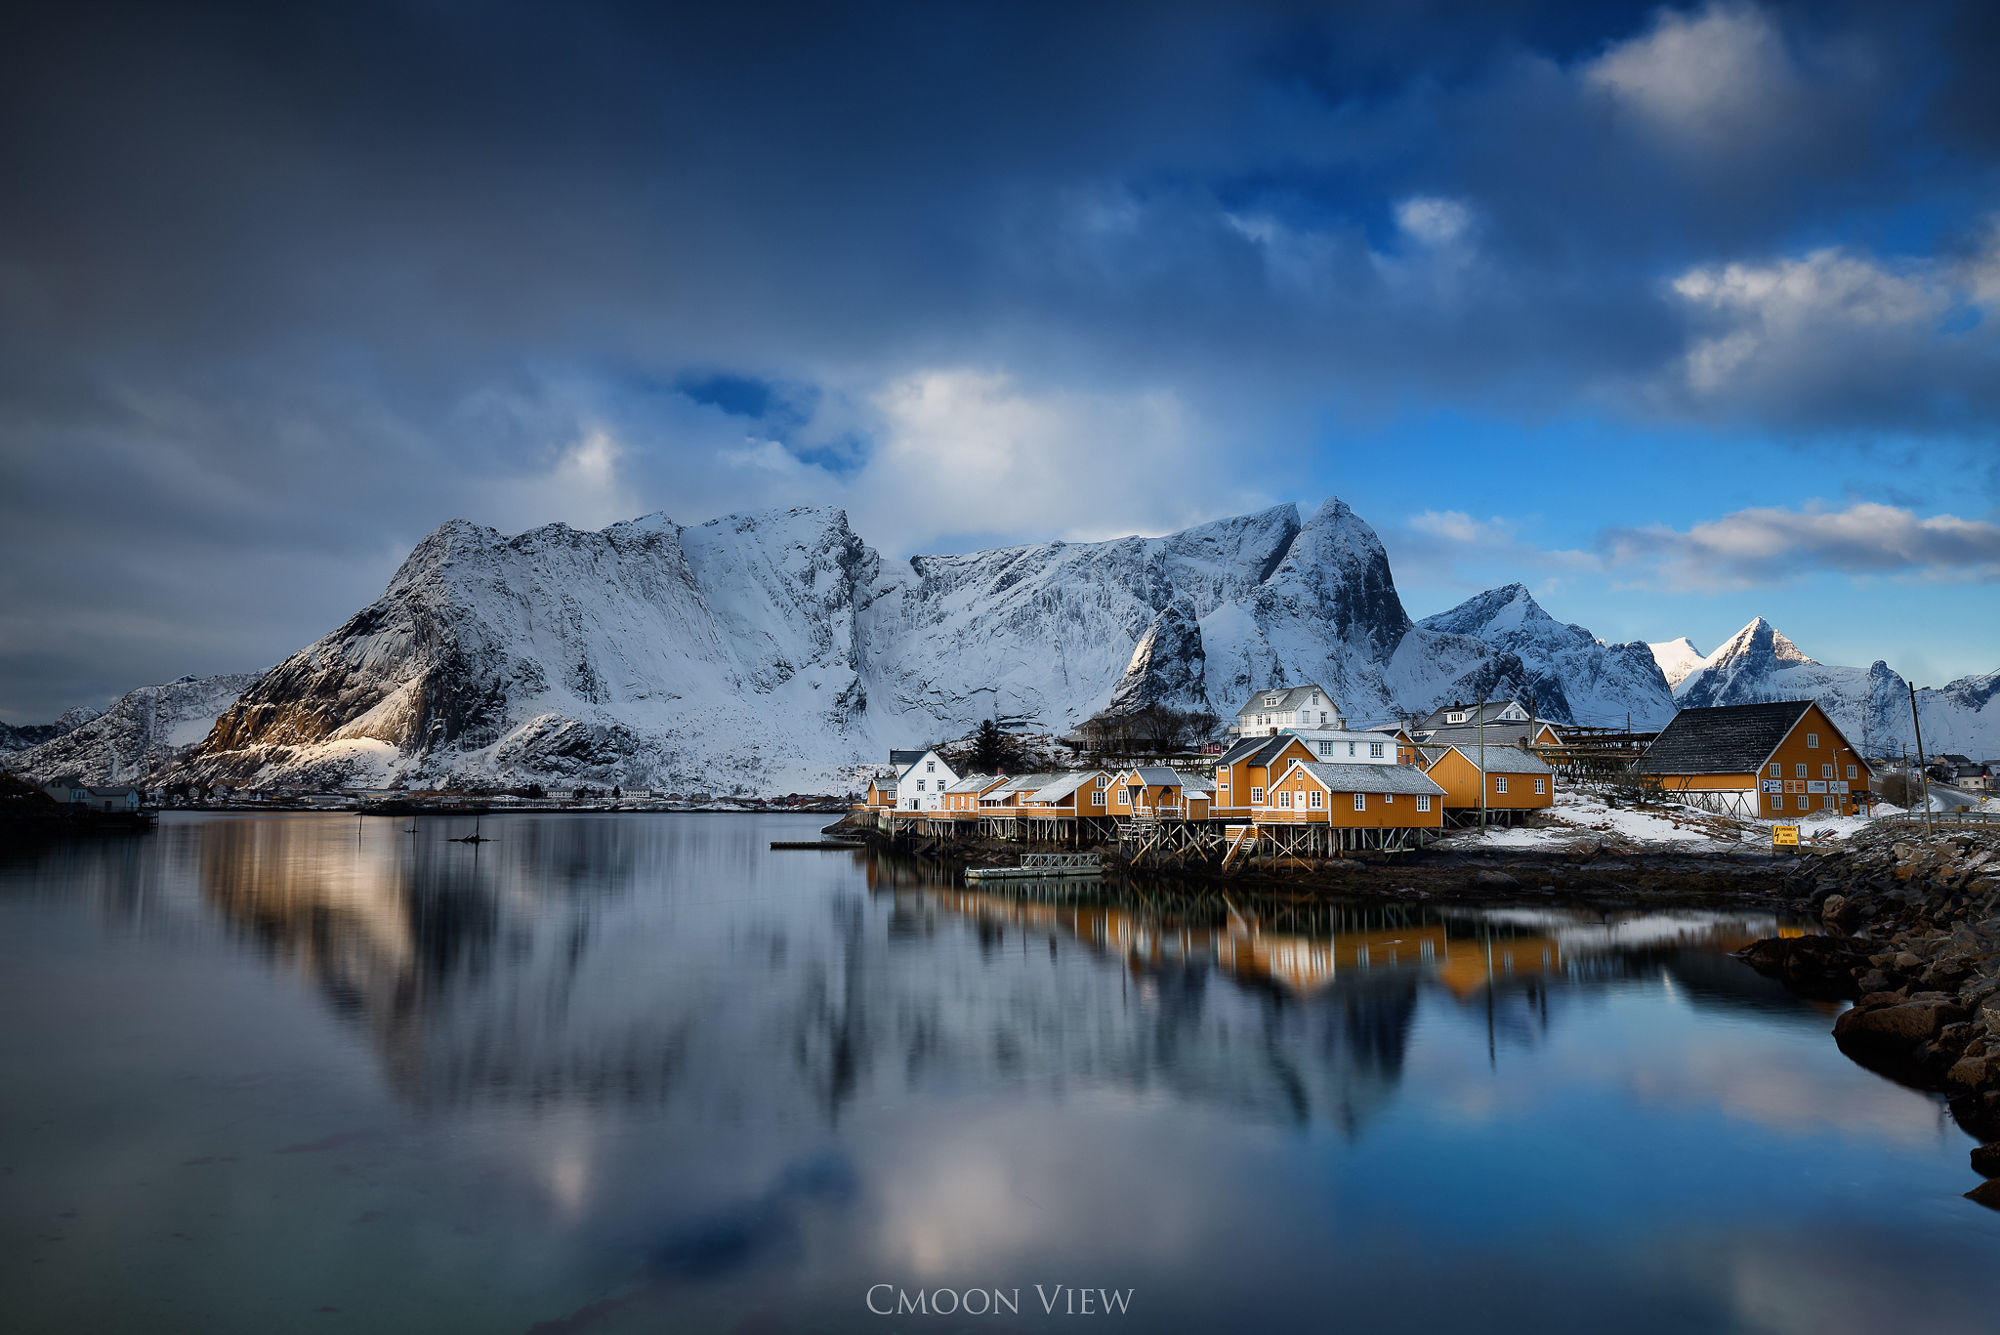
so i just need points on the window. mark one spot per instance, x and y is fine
(1325, 749)
(1103, 780)
(1812, 741)
(1124, 799)
(1361, 801)
(1827, 801)
(1256, 795)
(1804, 801)
(1374, 750)
(920, 785)
(1777, 770)
(1826, 771)
(1272, 699)
(1801, 768)
(1389, 798)
(1285, 798)
(930, 767)
(1457, 716)
(1499, 783)
(1851, 772)
(1424, 804)
(1097, 797)
(1350, 748)
(1541, 787)
(1316, 799)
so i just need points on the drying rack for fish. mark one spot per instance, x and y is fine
(1035, 866)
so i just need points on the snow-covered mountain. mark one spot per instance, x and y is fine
(775, 651)
(143, 733)
(1570, 675)
(1871, 704)
(24, 736)
(1677, 659)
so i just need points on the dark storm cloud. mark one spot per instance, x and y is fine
(282, 287)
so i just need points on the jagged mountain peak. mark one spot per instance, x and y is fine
(1508, 605)
(1757, 640)
(1677, 658)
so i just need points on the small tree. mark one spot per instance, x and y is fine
(991, 748)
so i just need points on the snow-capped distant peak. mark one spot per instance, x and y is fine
(1677, 658)
(1758, 641)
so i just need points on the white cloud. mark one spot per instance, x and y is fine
(1716, 79)
(1766, 544)
(1433, 220)
(1457, 526)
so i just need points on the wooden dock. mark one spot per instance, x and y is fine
(1036, 866)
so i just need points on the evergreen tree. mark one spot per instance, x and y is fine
(990, 748)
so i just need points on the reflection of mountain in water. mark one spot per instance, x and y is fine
(678, 962)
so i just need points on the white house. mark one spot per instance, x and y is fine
(920, 783)
(1347, 747)
(1287, 707)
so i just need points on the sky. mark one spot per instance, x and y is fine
(1679, 315)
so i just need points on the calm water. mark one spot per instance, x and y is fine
(305, 1073)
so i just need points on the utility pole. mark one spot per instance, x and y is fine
(1483, 780)
(1917, 725)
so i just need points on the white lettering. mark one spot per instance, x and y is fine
(1013, 1303)
(985, 1302)
(937, 1301)
(879, 1311)
(1048, 1300)
(903, 1302)
(1119, 1298)
(1086, 1300)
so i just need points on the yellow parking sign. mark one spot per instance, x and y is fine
(1785, 835)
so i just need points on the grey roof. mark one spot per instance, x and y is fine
(1157, 776)
(1021, 783)
(1721, 739)
(1497, 734)
(1239, 749)
(1370, 778)
(1499, 759)
(972, 783)
(902, 760)
(1291, 697)
(1490, 710)
(1062, 785)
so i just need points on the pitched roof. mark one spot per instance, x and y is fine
(1721, 739)
(1021, 783)
(1505, 733)
(1368, 778)
(1490, 710)
(1499, 759)
(1157, 776)
(1289, 697)
(1239, 749)
(974, 783)
(902, 760)
(1061, 786)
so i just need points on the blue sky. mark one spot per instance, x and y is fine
(1677, 314)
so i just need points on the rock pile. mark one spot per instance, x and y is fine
(1913, 933)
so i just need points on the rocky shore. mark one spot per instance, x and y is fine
(1912, 936)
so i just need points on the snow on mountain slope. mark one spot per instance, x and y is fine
(141, 735)
(774, 652)
(1677, 658)
(1571, 675)
(24, 736)
(1871, 705)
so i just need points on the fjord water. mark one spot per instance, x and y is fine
(641, 1073)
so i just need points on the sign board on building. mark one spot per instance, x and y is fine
(1816, 785)
(1785, 836)
(1773, 785)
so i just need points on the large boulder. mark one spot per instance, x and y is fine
(1823, 968)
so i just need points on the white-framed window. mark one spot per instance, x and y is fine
(1325, 749)
(1315, 799)
(1124, 799)
(1389, 798)
(1829, 802)
(1826, 771)
(1424, 804)
(930, 767)
(1457, 716)
(1812, 741)
(1256, 795)
(1374, 750)
(920, 785)
(1852, 772)
(1103, 780)
(1499, 783)
(1541, 787)
(1777, 770)
(1350, 748)
(1097, 797)
(1801, 770)
(1270, 700)
(1285, 798)
(1804, 801)
(1361, 801)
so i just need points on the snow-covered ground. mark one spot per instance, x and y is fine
(1581, 815)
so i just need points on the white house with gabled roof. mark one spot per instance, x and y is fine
(1280, 707)
(921, 784)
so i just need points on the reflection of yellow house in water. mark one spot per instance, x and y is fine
(1306, 963)
(1473, 965)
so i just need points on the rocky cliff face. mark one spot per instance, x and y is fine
(1678, 658)
(1569, 675)
(141, 736)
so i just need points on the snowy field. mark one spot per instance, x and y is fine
(1581, 815)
